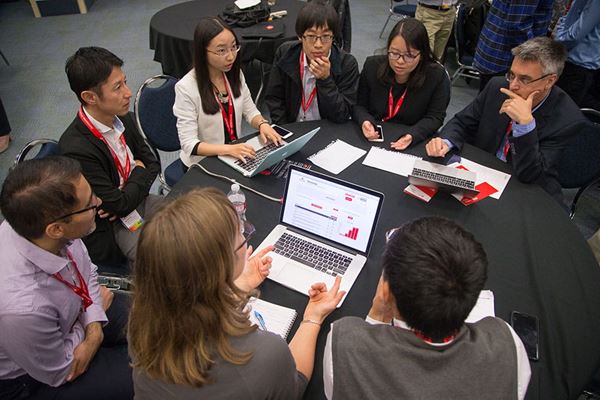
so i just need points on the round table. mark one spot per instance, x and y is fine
(172, 33)
(539, 262)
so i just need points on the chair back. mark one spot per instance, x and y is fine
(153, 110)
(580, 164)
(344, 36)
(47, 147)
(467, 27)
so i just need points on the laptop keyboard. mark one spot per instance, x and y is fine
(313, 255)
(441, 178)
(261, 154)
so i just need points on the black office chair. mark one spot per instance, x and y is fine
(4, 58)
(463, 58)
(47, 147)
(579, 166)
(399, 11)
(153, 108)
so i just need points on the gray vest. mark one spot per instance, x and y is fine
(384, 362)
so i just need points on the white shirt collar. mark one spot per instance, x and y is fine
(117, 124)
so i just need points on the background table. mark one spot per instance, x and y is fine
(172, 33)
(538, 261)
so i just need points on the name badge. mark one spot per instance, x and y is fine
(133, 221)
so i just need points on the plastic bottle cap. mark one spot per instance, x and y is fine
(235, 187)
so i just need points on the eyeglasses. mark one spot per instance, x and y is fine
(249, 230)
(390, 234)
(524, 81)
(94, 207)
(406, 57)
(222, 52)
(313, 38)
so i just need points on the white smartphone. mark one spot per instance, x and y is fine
(379, 138)
(284, 133)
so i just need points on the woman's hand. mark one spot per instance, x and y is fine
(241, 151)
(268, 134)
(369, 130)
(402, 143)
(322, 302)
(256, 269)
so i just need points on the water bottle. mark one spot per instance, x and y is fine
(238, 199)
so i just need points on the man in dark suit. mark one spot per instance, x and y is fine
(114, 158)
(526, 122)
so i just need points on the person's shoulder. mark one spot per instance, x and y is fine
(187, 81)
(268, 348)
(559, 99)
(288, 52)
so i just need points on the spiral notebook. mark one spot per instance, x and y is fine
(337, 156)
(390, 160)
(275, 318)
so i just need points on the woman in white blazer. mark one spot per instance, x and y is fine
(211, 99)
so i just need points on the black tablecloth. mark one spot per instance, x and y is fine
(539, 263)
(172, 33)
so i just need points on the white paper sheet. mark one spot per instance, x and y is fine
(390, 161)
(483, 308)
(242, 4)
(497, 179)
(337, 156)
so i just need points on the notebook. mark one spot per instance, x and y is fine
(337, 156)
(266, 154)
(326, 229)
(390, 161)
(277, 319)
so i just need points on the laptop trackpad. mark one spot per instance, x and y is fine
(298, 277)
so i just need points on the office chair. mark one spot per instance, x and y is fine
(579, 165)
(153, 108)
(399, 11)
(344, 37)
(47, 147)
(4, 57)
(463, 59)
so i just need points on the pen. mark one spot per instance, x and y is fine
(261, 321)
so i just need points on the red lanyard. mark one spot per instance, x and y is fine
(429, 340)
(227, 116)
(311, 97)
(81, 290)
(392, 112)
(123, 171)
(507, 143)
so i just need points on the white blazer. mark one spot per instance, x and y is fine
(194, 125)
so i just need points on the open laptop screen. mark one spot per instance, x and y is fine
(331, 208)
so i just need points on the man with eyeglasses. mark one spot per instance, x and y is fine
(523, 119)
(313, 79)
(114, 158)
(62, 334)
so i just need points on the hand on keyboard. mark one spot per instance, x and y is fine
(241, 151)
(268, 134)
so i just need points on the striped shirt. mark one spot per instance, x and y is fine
(508, 24)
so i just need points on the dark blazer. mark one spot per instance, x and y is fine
(99, 169)
(533, 156)
(422, 112)
(335, 95)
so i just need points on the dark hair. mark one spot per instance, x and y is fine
(89, 68)
(318, 14)
(415, 35)
(435, 270)
(36, 192)
(206, 30)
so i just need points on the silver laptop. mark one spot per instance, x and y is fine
(326, 229)
(266, 154)
(443, 177)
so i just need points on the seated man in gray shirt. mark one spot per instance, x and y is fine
(55, 335)
(415, 344)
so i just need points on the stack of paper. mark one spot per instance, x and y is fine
(337, 156)
(390, 160)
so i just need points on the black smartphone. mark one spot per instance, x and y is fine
(528, 328)
(284, 133)
(379, 130)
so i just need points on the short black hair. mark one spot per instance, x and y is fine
(37, 192)
(89, 68)
(415, 35)
(435, 270)
(318, 14)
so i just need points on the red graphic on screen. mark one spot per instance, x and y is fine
(352, 233)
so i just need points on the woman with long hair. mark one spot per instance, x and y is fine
(211, 99)
(406, 91)
(189, 332)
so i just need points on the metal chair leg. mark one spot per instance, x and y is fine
(384, 25)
